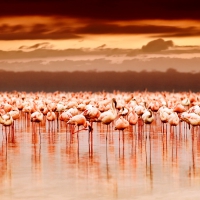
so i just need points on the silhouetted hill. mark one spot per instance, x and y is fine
(98, 81)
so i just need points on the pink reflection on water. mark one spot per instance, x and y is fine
(143, 162)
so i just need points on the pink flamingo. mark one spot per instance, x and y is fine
(37, 117)
(121, 123)
(92, 114)
(77, 121)
(51, 117)
(148, 118)
(132, 118)
(6, 120)
(173, 119)
(109, 116)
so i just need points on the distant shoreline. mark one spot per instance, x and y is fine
(129, 81)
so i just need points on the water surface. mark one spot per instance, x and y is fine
(139, 163)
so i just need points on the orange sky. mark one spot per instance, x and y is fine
(111, 33)
(63, 33)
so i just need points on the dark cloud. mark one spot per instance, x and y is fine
(157, 45)
(103, 9)
(43, 45)
(6, 28)
(98, 28)
(163, 31)
(35, 31)
(189, 33)
(64, 31)
(102, 46)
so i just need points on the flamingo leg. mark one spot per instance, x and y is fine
(39, 133)
(107, 133)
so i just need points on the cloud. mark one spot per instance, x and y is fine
(63, 30)
(108, 28)
(182, 32)
(102, 9)
(43, 45)
(53, 53)
(101, 47)
(157, 45)
(45, 51)
(36, 31)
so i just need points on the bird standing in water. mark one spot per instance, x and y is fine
(7, 121)
(110, 115)
(37, 117)
(77, 121)
(91, 114)
(148, 118)
(121, 124)
(51, 117)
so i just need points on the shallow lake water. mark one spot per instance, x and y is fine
(143, 162)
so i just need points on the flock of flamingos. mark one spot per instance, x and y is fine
(80, 110)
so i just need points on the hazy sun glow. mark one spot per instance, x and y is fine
(109, 41)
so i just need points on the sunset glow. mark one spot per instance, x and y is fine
(115, 36)
(99, 99)
(66, 32)
(91, 41)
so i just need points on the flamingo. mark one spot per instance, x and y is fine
(121, 123)
(164, 113)
(148, 118)
(6, 120)
(19, 104)
(179, 108)
(185, 102)
(65, 116)
(60, 107)
(154, 105)
(51, 116)
(164, 117)
(92, 114)
(191, 118)
(81, 107)
(132, 103)
(15, 114)
(140, 109)
(2, 111)
(194, 109)
(173, 119)
(77, 121)
(109, 116)
(123, 111)
(72, 104)
(132, 118)
(37, 117)
(7, 107)
(73, 111)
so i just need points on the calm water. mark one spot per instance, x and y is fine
(131, 165)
